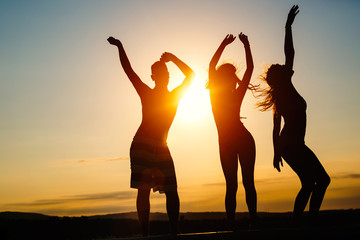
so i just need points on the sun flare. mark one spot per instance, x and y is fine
(195, 105)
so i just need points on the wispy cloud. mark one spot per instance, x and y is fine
(101, 160)
(88, 210)
(343, 202)
(92, 161)
(346, 175)
(261, 180)
(120, 195)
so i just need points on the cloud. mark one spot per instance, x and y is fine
(88, 210)
(342, 202)
(75, 199)
(215, 184)
(262, 181)
(92, 161)
(100, 160)
(119, 195)
(117, 159)
(346, 175)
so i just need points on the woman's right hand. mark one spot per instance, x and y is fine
(244, 39)
(228, 39)
(114, 41)
(291, 16)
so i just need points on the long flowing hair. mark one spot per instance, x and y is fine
(270, 93)
(228, 70)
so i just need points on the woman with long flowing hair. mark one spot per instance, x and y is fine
(236, 143)
(289, 144)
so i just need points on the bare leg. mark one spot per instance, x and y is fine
(322, 180)
(302, 198)
(246, 152)
(229, 165)
(314, 179)
(230, 200)
(318, 196)
(172, 207)
(296, 158)
(143, 209)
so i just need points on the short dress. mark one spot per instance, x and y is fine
(151, 165)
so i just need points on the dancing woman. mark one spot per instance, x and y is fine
(236, 143)
(152, 166)
(289, 144)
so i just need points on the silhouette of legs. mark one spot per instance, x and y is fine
(143, 209)
(228, 158)
(307, 186)
(322, 182)
(246, 152)
(172, 207)
(313, 177)
(229, 153)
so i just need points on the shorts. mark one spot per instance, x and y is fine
(151, 166)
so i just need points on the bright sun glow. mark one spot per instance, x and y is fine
(195, 105)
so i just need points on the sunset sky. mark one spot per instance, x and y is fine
(69, 113)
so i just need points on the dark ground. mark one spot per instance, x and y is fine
(336, 224)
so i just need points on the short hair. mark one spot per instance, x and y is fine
(158, 67)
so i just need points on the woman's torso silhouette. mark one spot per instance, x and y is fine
(292, 106)
(226, 110)
(158, 112)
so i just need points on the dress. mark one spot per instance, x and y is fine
(151, 163)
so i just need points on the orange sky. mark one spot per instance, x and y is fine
(68, 111)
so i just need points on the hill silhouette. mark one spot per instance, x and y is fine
(23, 216)
(340, 224)
(157, 216)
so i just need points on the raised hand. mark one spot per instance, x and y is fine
(228, 39)
(166, 57)
(244, 39)
(291, 16)
(114, 41)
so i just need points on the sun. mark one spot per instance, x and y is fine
(195, 104)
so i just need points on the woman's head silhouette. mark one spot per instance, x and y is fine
(159, 73)
(274, 74)
(226, 77)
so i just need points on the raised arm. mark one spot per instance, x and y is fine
(289, 46)
(276, 134)
(215, 59)
(249, 63)
(125, 63)
(185, 69)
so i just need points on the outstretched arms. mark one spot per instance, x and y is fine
(185, 69)
(215, 59)
(125, 63)
(289, 46)
(276, 133)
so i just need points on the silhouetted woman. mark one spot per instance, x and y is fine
(289, 144)
(236, 143)
(152, 166)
